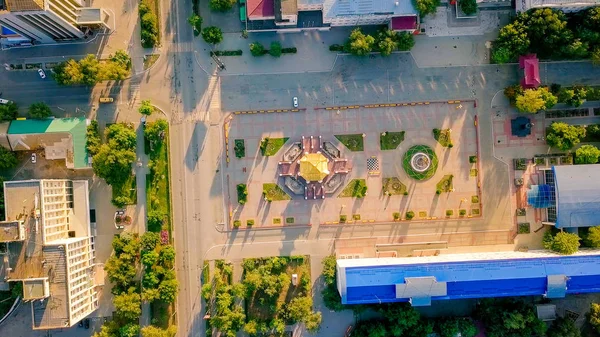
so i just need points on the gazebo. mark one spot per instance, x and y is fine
(313, 167)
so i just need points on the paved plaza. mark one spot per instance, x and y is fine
(372, 164)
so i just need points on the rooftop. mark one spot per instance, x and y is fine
(577, 196)
(53, 312)
(261, 8)
(337, 8)
(422, 279)
(24, 5)
(10, 231)
(523, 5)
(404, 22)
(50, 132)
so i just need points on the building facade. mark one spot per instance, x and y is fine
(49, 21)
(56, 260)
(567, 6)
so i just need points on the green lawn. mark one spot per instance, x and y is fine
(157, 181)
(406, 162)
(390, 140)
(393, 186)
(445, 184)
(352, 142)
(274, 193)
(270, 146)
(128, 189)
(356, 188)
(149, 60)
(443, 137)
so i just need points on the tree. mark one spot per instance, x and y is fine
(68, 73)
(150, 279)
(168, 290)
(576, 96)
(299, 308)
(501, 55)
(167, 256)
(257, 49)
(386, 46)
(359, 44)
(596, 56)
(512, 92)
(468, 7)
(149, 241)
(8, 159)
(196, 22)
(546, 29)
(146, 108)
(149, 27)
(109, 329)
(576, 49)
(426, 7)
(563, 327)
(149, 258)
(152, 331)
(156, 132)
(119, 271)
(512, 41)
(594, 317)
(563, 136)
(8, 112)
(128, 305)
(155, 220)
(114, 158)
(129, 330)
(221, 5)
(565, 243)
(592, 239)
(404, 41)
(313, 322)
(401, 317)
(92, 138)
(275, 49)
(587, 154)
(212, 35)
(39, 110)
(90, 69)
(329, 269)
(509, 317)
(122, 59)
(534, 100)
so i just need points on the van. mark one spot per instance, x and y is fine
(106, 99)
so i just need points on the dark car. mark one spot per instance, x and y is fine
(80, 324)
(86, 323)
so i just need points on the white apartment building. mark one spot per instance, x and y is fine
(56, 261)
(567, 6)
(49, 21)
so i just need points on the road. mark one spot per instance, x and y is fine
(196, 105)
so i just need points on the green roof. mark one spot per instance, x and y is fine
(76, 126)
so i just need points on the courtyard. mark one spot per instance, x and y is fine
(353, 166)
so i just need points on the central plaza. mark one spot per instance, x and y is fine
(351, 166)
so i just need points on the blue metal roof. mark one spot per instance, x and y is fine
(577, 195)
(475, 279)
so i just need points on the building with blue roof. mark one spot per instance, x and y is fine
(570, 196)
(420, 280)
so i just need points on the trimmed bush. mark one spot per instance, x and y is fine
(226, 53)
(410, 215)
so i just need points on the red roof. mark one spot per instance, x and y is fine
(261, 8)
(404, 22)
(531, 67)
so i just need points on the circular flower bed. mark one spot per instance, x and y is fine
(420, 162)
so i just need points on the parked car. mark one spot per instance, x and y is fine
(86, 323)
(106, 100)
(295, 102)
(42, 73)
(34, 158)
(80, 324)
(4, 101)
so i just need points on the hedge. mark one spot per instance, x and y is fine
(226, 53)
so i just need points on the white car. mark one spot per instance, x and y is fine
(34, 158)
(4, 101)
(42, 73)
(295, 102)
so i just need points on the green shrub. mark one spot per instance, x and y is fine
(242, 192)
(275, 49)
(238, 52)
(410, 215)
(472, 159)
(257, 49)
(250, 223)
(336, 47)
(292, 50)
(343, 218)
(396, 215)
(237, 223)
(462, 212)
